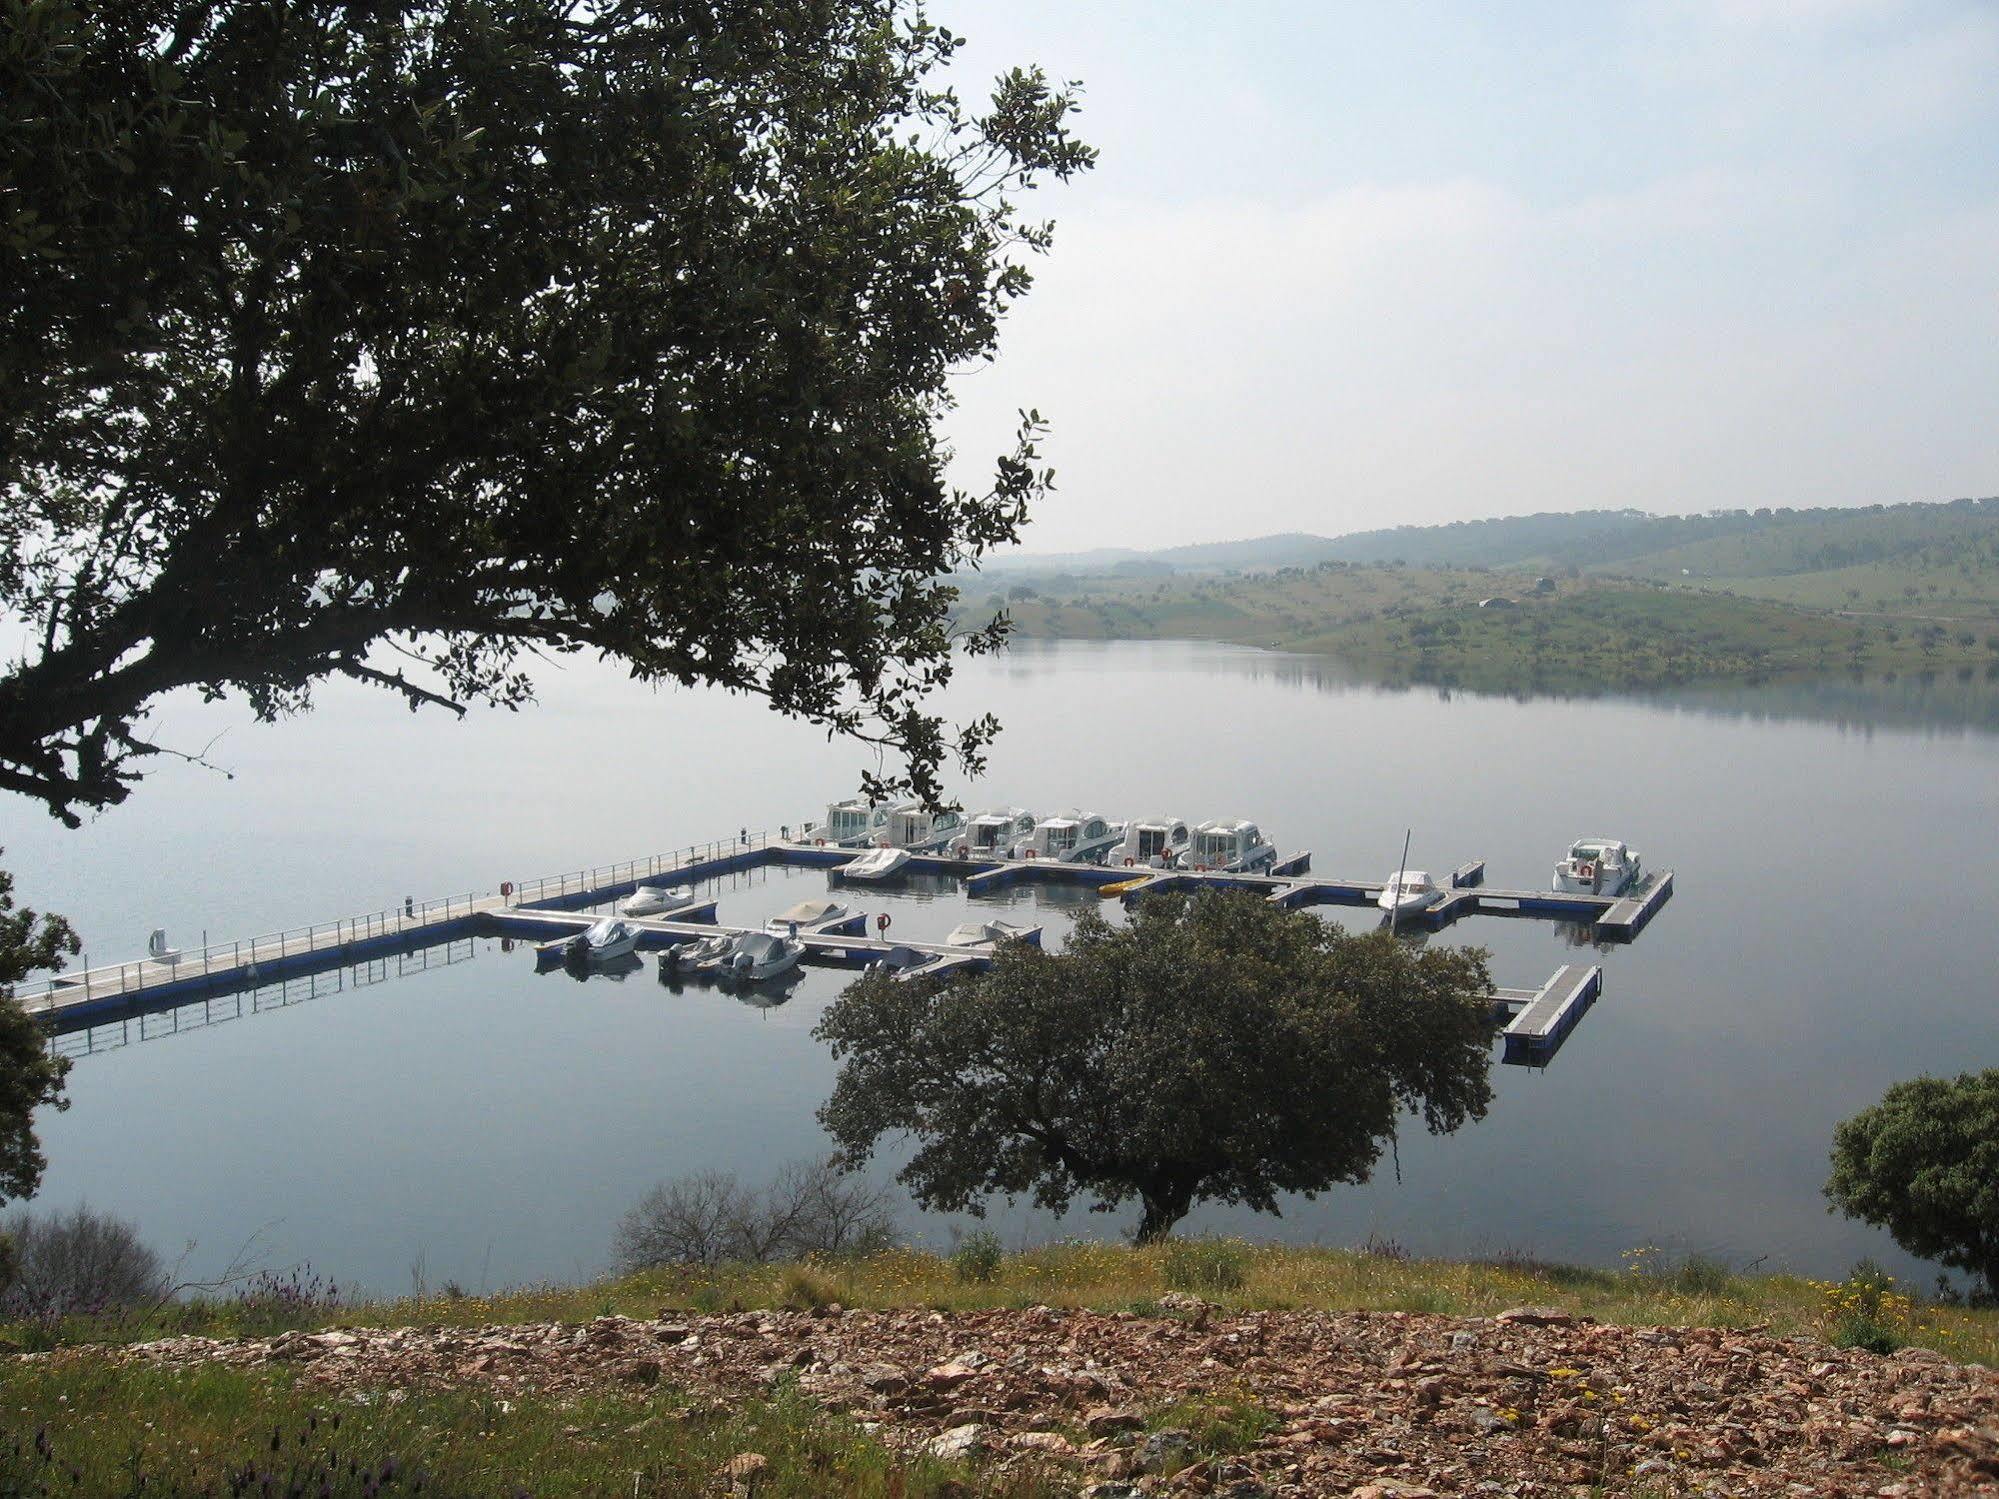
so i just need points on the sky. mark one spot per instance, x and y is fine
(1354, 265)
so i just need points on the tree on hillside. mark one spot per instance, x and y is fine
(1214, 1049)
(408, 342)
(1923, 1163)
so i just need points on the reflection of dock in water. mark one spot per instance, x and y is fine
(170, 983)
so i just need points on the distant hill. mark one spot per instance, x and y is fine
(1723, 544)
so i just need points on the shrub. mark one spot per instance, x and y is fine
(1700, 1276)
(1206, 1264)
(976, 1260)
(78, 1263)
(806, 1288)
(709, 1218)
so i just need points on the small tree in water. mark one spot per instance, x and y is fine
(1215, 1049)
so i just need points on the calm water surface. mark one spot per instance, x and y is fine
(1831, 933)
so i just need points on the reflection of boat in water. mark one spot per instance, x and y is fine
(875, 864)
(655, 900)
(618, 969)
(770, 993)
(1597, 866)
(1408, 891)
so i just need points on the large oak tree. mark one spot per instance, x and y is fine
(405, 341)
(1215, 1048)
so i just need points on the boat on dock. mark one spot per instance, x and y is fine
(807, 916)
(754, 957)
(1152, 843)
(1408, 891)
(875, 864)
(995, 833)
(1073, 838)
(1597, 866)
(691, 956)
(912, 827)
(1228, 846)
(983, 933)
(656, 900)
(849, 823)
(600, 943)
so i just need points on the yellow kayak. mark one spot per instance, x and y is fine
(1123, 886)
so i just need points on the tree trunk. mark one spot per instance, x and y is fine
(1165, 1205)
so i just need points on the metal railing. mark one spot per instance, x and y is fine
(632, 871)
(109, 981)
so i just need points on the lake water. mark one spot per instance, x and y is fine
(1831, 933)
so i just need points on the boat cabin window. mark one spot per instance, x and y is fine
(848, 820)
(1062, 837)
(1151, 842)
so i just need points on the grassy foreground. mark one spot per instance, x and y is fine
(226, 1431)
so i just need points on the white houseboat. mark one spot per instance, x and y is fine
(1232, 846)
(1152, 843)
(1073, 838)
(1597, 866)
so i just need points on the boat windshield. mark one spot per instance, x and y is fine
(1062, 837)
(1214, 845)
(848, 820)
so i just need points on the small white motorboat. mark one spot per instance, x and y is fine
(655, 900)
(849, 824)
(695, 954)
(993, 834)
(1408, 891)
(756, 956)
(1073, 838)
(807, 915)
(1229, 845)
(875, 864)
(910, 826)
(983, 933)
(1597, 866)
(898, 959)
(609, 938)
(1152, 843)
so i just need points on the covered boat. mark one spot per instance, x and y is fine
(1073, 838)
(1231, 846)
(656, 900)
(1408, 891)
(994, 833)
(983, 933)
(807, 915)
(875, 864)
(850, 823)
(1597, 866)
(609, 938)
(691, 955)
(1152, 843)
(911, 826)
(757, 956)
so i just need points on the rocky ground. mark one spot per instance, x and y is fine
(1363, 1404)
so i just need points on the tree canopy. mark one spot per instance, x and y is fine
(1215, 1048)
(30, 1077)
(406, 342)
(1923, 1163)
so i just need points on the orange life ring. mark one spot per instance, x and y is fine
(1129, 861)
(1028, 853)
(1200, 869)
(964, 849)
(506, 887)
(1585, 871)
(818, 842)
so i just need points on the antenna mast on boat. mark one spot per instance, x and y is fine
(1396, 910)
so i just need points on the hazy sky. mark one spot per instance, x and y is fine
(1350, 265)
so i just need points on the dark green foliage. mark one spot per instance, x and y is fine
(30, 1077)
(1924, 1164)
(1216, 1048)
(472, 332)
(1698, 1275)
(976, 1260)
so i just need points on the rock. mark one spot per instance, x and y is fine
(1159, 1448)
(637, 1371)
(1537, 1316)
(1390, 1488)
(1182, 1301)
(1108, 1420)
(884, 1379)
(1041, 1441)
(1486, 1419)
(743, 1472)
(1111, 1490)
(949, 1376)
(672, 1332)
(958, 1443)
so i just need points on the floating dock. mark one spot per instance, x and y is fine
(550, 908)
(1542, 1018)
